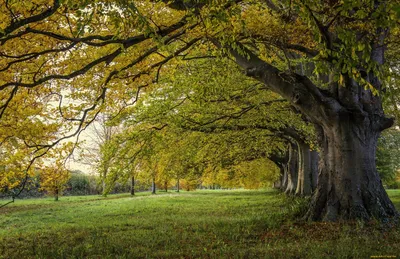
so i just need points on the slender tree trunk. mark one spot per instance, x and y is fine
(153, 186)
(56, 194)
(133, 185)
(292, 170)
(349, 186)
(166, 186)
(103, 180)
(177, 186)
(103, 186)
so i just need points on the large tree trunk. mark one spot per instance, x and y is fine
(280, 161)
(314, 168)
(349, 186)
(292, 170)
(284, 172)
(307, 170)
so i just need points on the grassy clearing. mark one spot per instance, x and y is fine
(201, 224)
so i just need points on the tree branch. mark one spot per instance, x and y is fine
(298, 90)
(39, 17)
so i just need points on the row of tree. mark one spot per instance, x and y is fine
(225, 131)
(62, 63)
(73, 183)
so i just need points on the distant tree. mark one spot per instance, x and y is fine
(98, 152)
(256, 174)
(53, 179)
(388, 156)
(78, 184)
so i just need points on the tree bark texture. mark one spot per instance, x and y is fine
(277, 184)
(284, 170)
(314, 168)
(281, 161)
(292, 170)
(349, 186)
(308, 170)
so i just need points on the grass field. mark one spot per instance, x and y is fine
(201, 224)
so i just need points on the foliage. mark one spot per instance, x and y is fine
(111, 52)
(53, 179)
(31, 190)
(388, 157)
(37, 111)
(259, 173)
(80, 184)
(189, 125)
(14, 162)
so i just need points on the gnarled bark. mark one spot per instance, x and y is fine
(298, 169)
(292, 170)
(349, 186)
(314, 168)
(284, 178)
(308, 170)
(280, 161)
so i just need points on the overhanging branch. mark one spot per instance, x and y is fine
(297, 89)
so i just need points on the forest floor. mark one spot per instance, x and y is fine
(199, 224)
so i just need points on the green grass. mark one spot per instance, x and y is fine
(201, 224)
